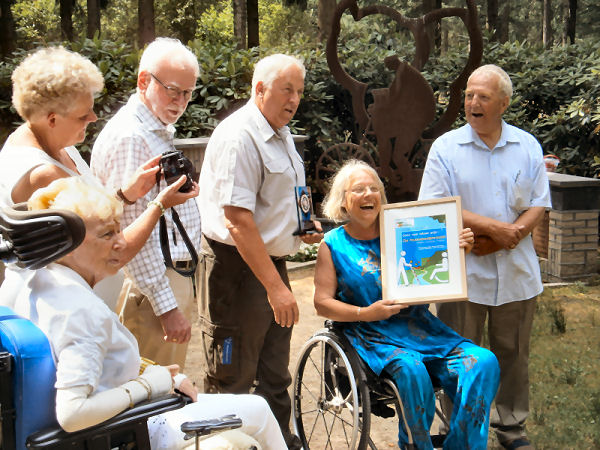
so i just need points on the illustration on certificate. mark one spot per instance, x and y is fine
(421, 250)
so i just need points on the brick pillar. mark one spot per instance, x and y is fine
(572, 244)
(572, 228)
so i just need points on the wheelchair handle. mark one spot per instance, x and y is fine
(204, 427)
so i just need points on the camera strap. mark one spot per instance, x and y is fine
(164, 243)
(166, 251)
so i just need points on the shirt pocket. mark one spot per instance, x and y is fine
(520, 197)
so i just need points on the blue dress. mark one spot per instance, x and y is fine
(412, 347)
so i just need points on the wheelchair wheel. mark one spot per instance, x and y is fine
(331, 407)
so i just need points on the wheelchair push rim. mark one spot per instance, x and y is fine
(330, 409)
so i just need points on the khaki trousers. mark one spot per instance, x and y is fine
(138, 316)
(509, 332)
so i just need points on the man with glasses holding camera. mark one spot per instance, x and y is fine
(156, 300)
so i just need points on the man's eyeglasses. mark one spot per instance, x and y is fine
(173, 91)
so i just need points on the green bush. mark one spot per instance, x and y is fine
(556, 95)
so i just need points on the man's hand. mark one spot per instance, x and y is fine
(484, 245)
(176, 327)
(284, 307)
(313, 238)
(143, 179)
(508, 235)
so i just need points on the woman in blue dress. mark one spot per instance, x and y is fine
(409, 343)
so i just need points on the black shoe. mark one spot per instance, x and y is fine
(519, 443)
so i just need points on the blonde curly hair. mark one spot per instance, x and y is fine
(333, 203)
(75, 195)
(51, 79)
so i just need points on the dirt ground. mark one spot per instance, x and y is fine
(383, 432)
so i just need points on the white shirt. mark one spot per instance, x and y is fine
(129, 139)
(17, 160)
(92, 347)
(249, 165)
(501, 184)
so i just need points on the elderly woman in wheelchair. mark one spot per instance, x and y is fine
(97, 359)
(408, 344)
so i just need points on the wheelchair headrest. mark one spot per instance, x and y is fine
(34, 239)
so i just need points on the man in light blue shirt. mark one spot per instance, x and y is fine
(498, 171)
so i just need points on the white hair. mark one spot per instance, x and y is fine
(333, 203)
(268, 69)
(162, 49)
(504, 82)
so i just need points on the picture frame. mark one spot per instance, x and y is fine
(421, 261)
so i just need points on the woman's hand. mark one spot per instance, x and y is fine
(187, 387)
(170, 196)
(466, 239)
(142, 180)
(380, 310)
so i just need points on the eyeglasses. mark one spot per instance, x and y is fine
(360, 189)
(173, 91)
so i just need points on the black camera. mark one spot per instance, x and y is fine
(174, 164)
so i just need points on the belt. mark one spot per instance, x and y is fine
(233, 249)
(185, 264)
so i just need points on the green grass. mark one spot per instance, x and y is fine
(564, 369)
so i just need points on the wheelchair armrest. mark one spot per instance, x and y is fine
(205, 427)
(129, 418)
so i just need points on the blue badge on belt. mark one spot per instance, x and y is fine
(227, 350)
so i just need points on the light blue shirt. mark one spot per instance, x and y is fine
(501, 184)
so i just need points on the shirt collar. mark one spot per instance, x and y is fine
(147, 117)
(467, 135)
(263, 126)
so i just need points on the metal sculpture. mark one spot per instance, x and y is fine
(401, 115)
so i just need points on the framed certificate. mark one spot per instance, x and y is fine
(421, 261)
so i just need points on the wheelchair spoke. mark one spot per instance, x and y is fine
(327, 403)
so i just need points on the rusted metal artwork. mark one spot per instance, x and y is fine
(401, 115)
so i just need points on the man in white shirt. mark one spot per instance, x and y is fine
(158, 301)
(249, 218)
(498, 171)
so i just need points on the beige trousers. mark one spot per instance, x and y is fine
(138, 316)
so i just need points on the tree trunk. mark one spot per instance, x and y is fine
(547, 36)
(325, 12)
(66, 19)
(8, 34)
(434, 30)
(252, 11)
(571, 20)
(300, 3)
(240, 21)
(492, 25)
(146, 31)
(503, 26)
(93, 18)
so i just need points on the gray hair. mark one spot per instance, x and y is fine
(268, 69)
(162, 49)
(333, 204)
(504, 82)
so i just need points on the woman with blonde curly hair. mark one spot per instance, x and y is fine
(53, 92)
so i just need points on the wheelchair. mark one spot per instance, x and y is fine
(335, 393)
(27, 371)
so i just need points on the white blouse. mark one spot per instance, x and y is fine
(92, 347)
